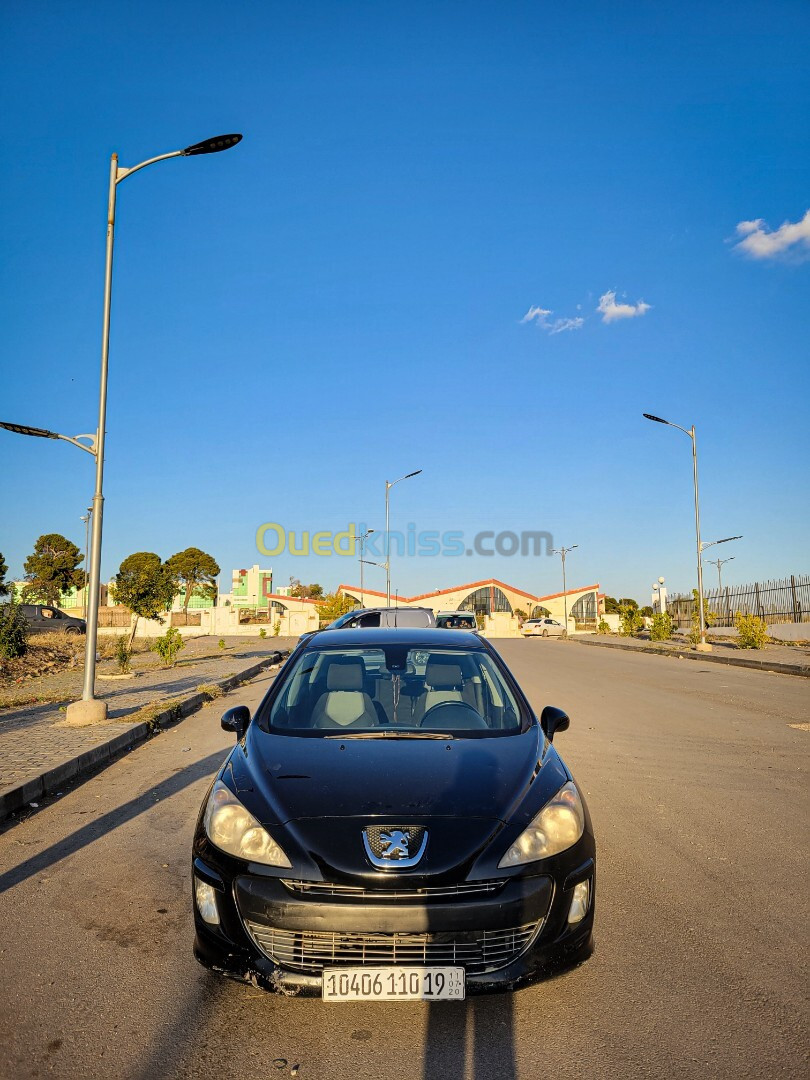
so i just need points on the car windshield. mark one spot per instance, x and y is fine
(394, 691)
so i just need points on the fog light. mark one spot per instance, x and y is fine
(206, 898)
(580, 902)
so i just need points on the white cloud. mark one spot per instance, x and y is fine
(566, 324)
(541, 317)
(760, 242)
(536, 313)
(610, 310)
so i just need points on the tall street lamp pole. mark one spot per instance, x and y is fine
(388, 487)
(362, 539)
(703, 646)
(86, 519)
(562, 552)
(89, 709)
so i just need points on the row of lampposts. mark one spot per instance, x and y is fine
(89, 709)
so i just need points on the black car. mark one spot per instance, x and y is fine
(43, 619)
(393, 823)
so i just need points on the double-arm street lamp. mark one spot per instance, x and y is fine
(720, 563)
(562, 552)
(361, 538)
(90, 710)
(388, 487)
(703, 646)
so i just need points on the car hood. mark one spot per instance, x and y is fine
(323, 792)
(284, 778)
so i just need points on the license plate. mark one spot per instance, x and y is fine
(393, 984)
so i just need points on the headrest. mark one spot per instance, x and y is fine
(345, 675)
(443, 676)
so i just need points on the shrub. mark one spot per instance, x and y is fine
(630, 622)
(662, 627)
(709, 617)
(276, 627)
(752, 632)
(221, 643)
(123, 654)
(262, 632)
(168, 646)
(603, 627)
(13, 631)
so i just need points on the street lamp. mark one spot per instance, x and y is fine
(388, 487)
(362, 538)
(703, 646)
(90, 710)
(720, 563)
(562, 552)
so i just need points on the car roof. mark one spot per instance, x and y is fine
(378, 637)
(468, 614)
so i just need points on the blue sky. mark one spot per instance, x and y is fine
(339, 300)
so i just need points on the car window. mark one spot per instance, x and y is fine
(396, 689)
(372, 619)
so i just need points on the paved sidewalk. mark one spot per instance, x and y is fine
(39, 753)
(782, 659)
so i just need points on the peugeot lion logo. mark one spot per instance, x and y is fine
(396, 844)
(395, 847)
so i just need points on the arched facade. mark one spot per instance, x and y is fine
(487, 600)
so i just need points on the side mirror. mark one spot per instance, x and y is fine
(552, 720)
(236, 720)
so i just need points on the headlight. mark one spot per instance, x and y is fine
(234, 829)
(558, 826)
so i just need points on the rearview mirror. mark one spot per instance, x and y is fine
(553, 720)
(236, 720)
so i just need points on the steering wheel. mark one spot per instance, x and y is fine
(453, 715)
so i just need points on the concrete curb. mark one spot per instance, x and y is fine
(22, 792)
(708, 658)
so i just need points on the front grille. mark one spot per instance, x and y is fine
(357, 892)
(478, 951)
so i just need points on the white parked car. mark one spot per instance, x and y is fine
(543, 628)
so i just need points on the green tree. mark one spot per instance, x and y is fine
(5, 589)
(646, 611)
(334, 605)
(13, 630)
(307, 592)
(611, 605)
(197, 571)
(145, 585)
(627, 601)
(51, 569)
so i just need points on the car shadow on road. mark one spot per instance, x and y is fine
(87, 834)
(471, 1040)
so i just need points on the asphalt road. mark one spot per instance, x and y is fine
(697, 784)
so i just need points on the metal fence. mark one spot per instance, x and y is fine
(784, 601)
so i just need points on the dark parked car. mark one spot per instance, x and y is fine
(383, 616)
(393, 823)
(43, 619)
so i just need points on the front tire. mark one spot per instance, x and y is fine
(545, 633)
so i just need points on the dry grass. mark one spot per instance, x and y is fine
(211, 689)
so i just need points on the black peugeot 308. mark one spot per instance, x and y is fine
(393, 823)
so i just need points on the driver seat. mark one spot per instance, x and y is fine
(443, 682)
(345, 704)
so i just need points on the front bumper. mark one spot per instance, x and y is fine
(280, 936)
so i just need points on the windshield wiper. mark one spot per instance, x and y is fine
(391, 735)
